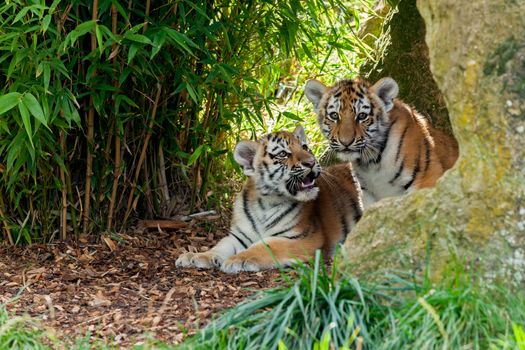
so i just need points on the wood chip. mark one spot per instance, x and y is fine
(128, 291)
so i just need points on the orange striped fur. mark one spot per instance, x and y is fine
(287, 209)
(393, 149)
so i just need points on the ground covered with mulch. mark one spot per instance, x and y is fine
(123, 288)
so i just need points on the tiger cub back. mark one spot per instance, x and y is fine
(287, 209)
(394, 149)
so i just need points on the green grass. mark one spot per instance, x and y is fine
(320, 311)
(22, 333)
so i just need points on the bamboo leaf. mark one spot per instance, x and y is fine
(21, 14)
(182, 40)
(45, 22)
(158, 42)
(198, 152)
(132, 52)
(24, 113)
(121, 10)
(139, 38)
(292, 116)
(34, 107)
(100, 40)
(80, 30)
(47, 75)
(192, 93)
(8, 101)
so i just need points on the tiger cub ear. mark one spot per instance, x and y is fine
(300, 134)
(314, 91)
(244, 155)
(386, 89)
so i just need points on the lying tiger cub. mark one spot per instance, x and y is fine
(393, 149)
(287, 209)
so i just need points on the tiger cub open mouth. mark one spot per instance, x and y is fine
(308, 181)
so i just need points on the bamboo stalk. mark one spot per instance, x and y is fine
(163, 182)
(73, 206)
(147, 192)
(63, 218)
(117, 170)
(89, 166)
(142, 154)
(114, 188)
(90, 134)
(5, 223)
(146, 15)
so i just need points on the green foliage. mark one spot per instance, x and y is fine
(220, 69)
(322, 311)
(21, 333)
(319, 311)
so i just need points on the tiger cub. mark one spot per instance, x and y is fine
(287, 209)
(393, 149)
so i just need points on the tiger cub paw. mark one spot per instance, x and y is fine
(237, 264)
(206, 260)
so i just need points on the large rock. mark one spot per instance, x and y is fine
(403, 55)
(476, 213)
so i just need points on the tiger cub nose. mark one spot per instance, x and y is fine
(346, 143)
(309, 163)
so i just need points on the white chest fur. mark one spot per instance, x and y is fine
(265, 216)
(386, 178)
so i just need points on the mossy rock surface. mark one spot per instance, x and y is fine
(404, 57)
(476, 213)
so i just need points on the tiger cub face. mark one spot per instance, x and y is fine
(353, 115)
(280, 164)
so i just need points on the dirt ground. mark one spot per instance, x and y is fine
(122, 288)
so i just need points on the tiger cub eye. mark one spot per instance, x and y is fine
(361, 117)
(334, 116)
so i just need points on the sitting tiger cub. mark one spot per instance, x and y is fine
(393, 149)
(287, 209)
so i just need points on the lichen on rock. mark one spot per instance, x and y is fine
(476, 213)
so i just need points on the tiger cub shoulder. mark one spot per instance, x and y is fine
(393, 148)
(287, 209)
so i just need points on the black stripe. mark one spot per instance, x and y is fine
(278, 233)
(265, 165)
(275, 172)
(358, 212)
(243, 234)
(261, 204)
(247, 211)
(303, 234)
(401, 142)
(281, 216)
(399, 171)
(282, 173)
(414, 173)
(427, 156)
(344, 228)
(240, 241)
(383, 145)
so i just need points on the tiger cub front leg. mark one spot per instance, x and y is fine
(271, 253)
(212, 258)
